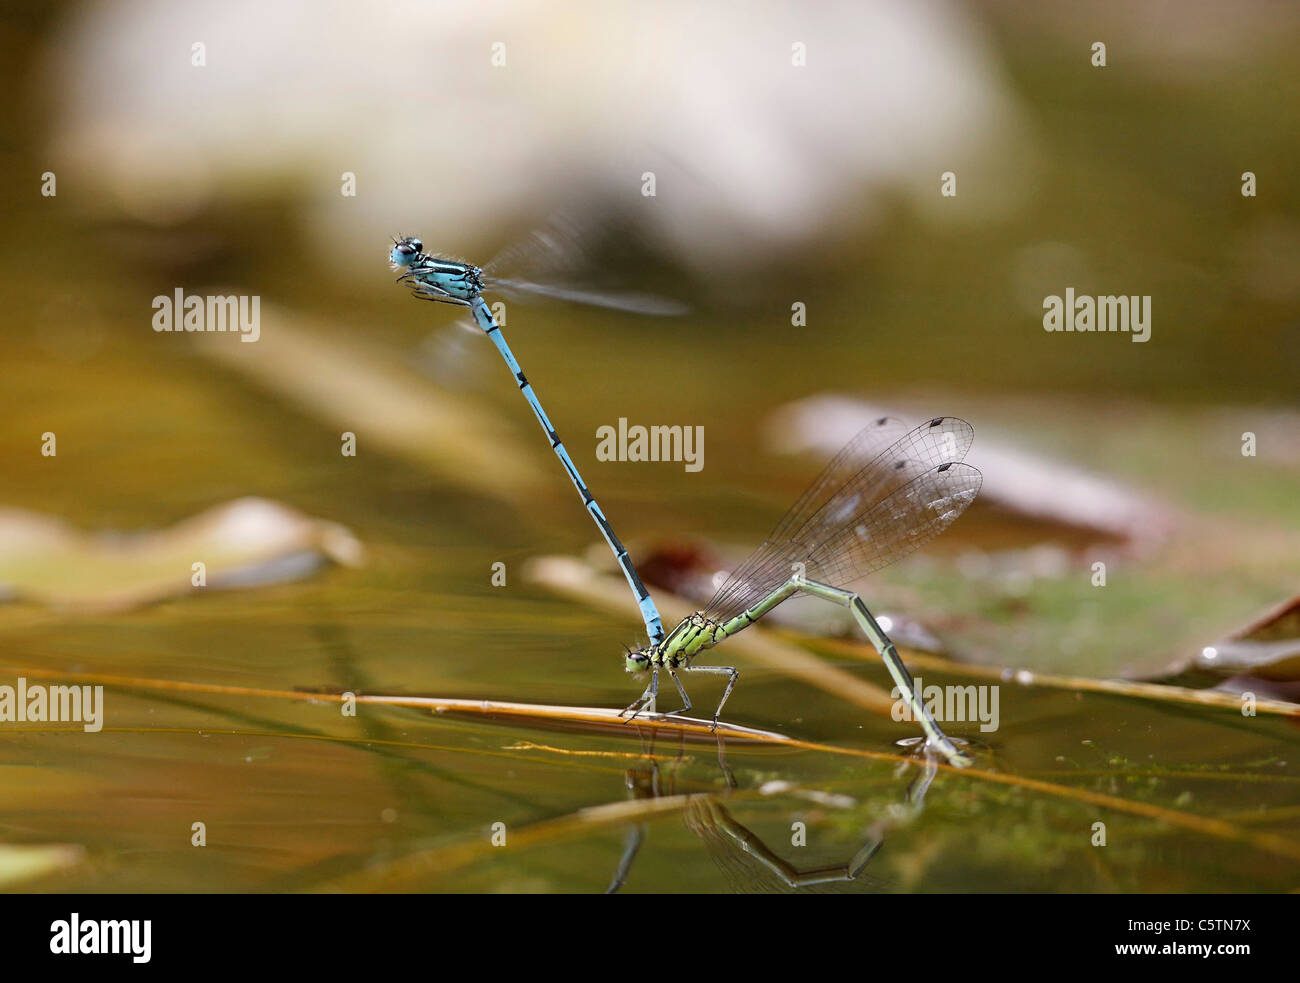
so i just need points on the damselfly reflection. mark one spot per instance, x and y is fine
(747, 861)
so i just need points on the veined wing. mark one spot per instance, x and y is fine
(903, 521)
(860, 476)
(866, 445)
(941, 440)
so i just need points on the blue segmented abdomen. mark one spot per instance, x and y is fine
(649, 613)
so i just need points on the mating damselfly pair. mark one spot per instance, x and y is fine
(887, 493)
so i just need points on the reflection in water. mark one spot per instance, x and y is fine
(744, 858)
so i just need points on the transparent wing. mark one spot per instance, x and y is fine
(865, 447)
(860, 477)
(636, 303)
(897, 525)
(548, 261)
(558, 250)
(941, 440)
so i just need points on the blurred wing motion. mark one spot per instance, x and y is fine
(874, 503)
(546, 262)
(635, 303)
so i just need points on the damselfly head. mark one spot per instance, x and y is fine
(405, 249)
(637, 660)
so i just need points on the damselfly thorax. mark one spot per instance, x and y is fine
(691, 636)
(445, 280)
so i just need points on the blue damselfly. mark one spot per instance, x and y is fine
(449, 281)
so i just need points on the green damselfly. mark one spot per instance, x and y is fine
(887, 493)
